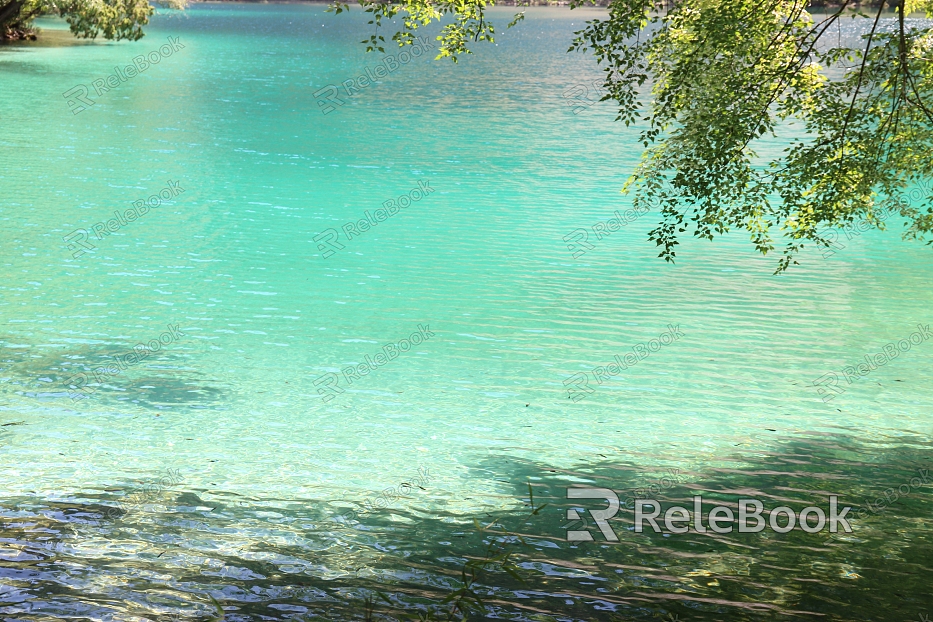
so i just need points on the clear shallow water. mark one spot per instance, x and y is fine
(232, 406)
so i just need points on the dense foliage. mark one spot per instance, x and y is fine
(709, 80)
(114, 19)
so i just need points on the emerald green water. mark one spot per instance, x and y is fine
(266, 464)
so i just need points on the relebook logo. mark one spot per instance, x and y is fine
(78, 97)
(720, 519)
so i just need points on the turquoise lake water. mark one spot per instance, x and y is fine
(259, 463)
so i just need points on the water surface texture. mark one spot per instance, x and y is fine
(223, 470)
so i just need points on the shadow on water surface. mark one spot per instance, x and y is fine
(184, 552)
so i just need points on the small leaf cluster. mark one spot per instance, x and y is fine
(468, 23)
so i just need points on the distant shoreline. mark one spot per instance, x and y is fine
(510, 3)
(813, 4)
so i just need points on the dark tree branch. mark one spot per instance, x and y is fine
(861, 74)
(10, 11)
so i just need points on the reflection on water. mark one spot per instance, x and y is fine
(184, 552)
